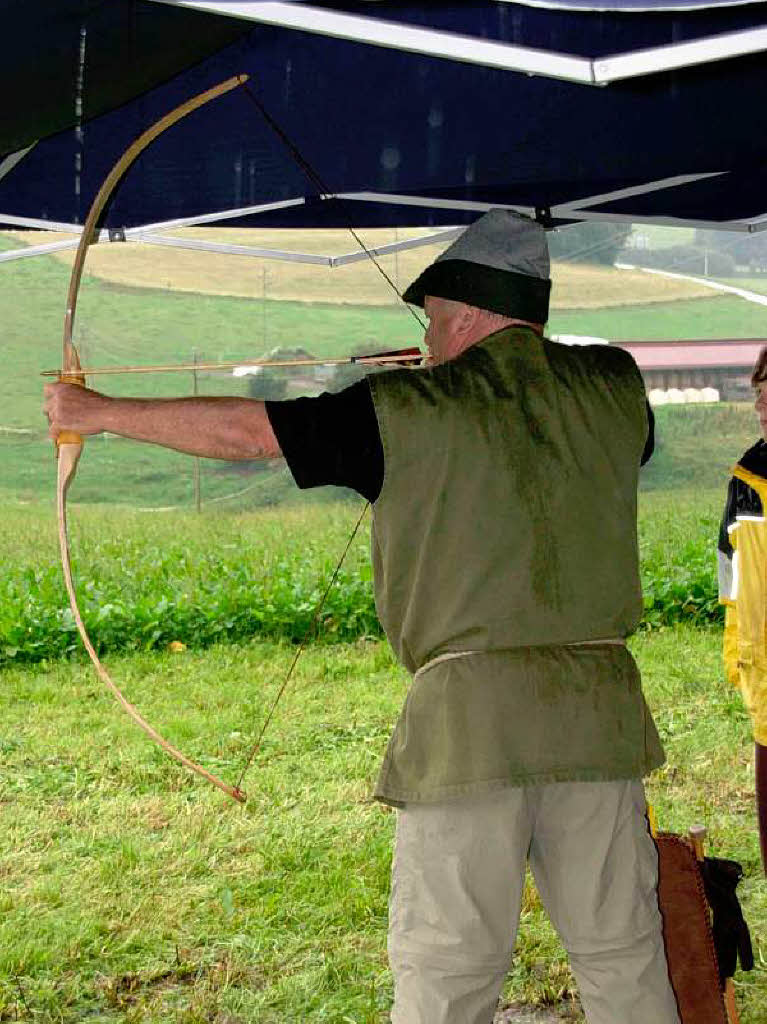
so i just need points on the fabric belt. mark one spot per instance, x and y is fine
(451, 655)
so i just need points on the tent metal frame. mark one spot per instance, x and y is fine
(576, 210)
(147, 234)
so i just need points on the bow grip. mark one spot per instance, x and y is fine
(70, 436)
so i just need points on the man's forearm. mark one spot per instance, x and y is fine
(217, 428)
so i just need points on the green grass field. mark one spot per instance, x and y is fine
(695, 446)
(718, 317)
(145, 581)
(140, 265)
(119, 325)
(133, 893)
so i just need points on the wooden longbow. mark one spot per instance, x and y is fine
(70, 445)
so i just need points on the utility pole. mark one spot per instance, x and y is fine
(263, 308)
(196, 469)
(396, 261)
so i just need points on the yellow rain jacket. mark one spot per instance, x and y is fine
(743, 584)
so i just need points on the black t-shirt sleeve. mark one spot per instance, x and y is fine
(649, 446)
(331, 439)
(334, 439)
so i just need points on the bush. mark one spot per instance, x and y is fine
(588, 242)
(235, 606)
(150, 594)
(689, 596)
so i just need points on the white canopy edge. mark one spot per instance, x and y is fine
(434, 237)
(399, 36)
(757, 223)
(631, 6)
(180, 222)
(9, 255)
(463, 205)
(474, 50)
(679, 55)
(670, 222)
(212, 218)
(14, 221)
(232, 250)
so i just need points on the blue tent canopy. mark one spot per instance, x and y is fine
(414, 114)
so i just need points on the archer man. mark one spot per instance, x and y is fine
(503, 478)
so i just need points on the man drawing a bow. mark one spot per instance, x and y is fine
(503, 477)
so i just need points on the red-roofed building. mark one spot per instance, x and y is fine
(724, 364)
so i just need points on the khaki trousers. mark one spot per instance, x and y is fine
(457, 884)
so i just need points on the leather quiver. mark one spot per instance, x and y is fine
(687, 933)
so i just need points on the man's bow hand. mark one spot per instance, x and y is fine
(71, 408)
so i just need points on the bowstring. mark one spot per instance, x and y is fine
(304, 640)
(317, 182)
(322, 188)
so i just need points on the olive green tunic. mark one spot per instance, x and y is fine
(506, 530)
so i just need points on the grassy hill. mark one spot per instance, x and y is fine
(118, 324)
(149, 266)
(696, 447)
(717, 317)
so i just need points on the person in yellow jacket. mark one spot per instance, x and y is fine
(743, 589)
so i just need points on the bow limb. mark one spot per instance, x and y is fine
(113, 178)
(67, 453)
(70, 444)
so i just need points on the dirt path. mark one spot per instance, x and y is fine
(518, 1013)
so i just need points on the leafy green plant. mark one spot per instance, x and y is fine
(201, 580)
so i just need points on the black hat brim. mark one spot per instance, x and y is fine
(499, 291)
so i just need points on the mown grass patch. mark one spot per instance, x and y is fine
(119, 325)
(133, 893)
(718, 317)
(138, 265)
(708, 777)
(678, 535)
(123, 326)
(696, 446)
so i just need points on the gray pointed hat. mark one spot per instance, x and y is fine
(499, 263)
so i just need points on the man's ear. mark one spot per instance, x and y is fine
(467, 319)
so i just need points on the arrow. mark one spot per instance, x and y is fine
(405, 356)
